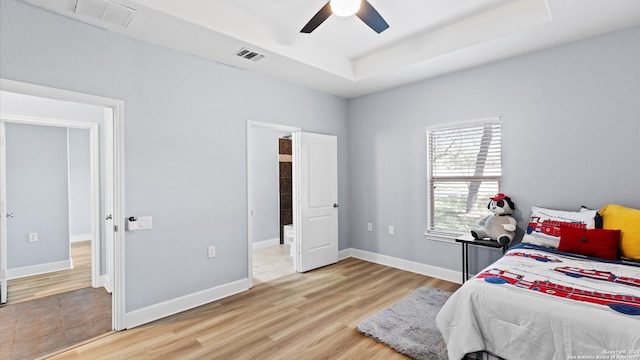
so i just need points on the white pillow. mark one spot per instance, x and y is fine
(544, 225)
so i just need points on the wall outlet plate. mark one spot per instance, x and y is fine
(33, 237)
(145, 222)
(211, 251)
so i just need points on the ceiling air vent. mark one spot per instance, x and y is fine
(249, 54)
(105, 10)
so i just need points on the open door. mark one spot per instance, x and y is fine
(315, 200)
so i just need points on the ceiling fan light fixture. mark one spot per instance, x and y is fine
(345, 7)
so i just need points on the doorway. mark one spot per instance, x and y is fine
(49, 199)
(270, 201)
(107, 255)
(315, 196)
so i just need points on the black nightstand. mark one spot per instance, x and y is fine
(466, 240)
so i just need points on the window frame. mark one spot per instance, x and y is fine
(451, 235)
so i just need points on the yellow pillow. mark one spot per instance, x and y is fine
(627, 220)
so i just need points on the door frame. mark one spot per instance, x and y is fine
(116, 178)
(251, 124)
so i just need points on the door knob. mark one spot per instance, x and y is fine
(335, 205)
(9, 215)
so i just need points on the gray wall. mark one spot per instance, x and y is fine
(79, 183)
(571, 124)
(265, 183)
(185, 141)
(37, 195)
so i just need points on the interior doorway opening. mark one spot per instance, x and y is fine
(107, 183)
(270, 201)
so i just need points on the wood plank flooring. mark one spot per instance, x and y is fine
(37, 286)
(300, 316)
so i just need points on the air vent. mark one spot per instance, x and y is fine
(106, 10)
(249, 54)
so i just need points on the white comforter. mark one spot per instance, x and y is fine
(503, 310)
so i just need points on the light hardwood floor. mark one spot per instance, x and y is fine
(37, 286)
(300, 316)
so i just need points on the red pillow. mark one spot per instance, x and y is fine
(593, 242)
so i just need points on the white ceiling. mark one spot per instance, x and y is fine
(343, 56)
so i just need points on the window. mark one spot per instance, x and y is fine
(465, 170)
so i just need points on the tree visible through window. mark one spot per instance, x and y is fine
(465, 169)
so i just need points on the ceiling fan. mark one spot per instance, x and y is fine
(360, 8)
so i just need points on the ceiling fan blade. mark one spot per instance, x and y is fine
(317, 19)
(372, 17)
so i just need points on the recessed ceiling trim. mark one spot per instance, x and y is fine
(484, 27)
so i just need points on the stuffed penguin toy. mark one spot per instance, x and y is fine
(499, 226)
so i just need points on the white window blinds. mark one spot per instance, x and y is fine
(465, 169)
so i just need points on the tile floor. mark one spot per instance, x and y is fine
(271, 262)
(39, 327)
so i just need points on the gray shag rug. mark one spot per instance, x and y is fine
(409, 326)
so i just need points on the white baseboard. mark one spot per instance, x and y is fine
(174, 306)
(25, 271)
(418, 268)
(103, 281)
(81, 237)
(265, 243)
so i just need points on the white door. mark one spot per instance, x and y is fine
(315, 200)
(3, 219)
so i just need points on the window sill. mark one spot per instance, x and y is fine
(448, 238)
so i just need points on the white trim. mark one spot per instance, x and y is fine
(418, 268)
(480, 121)
(25, 271)
(183, 303)
(174, 306)
(42, 121)
(443, 237)
(118, 275)
(265, 243)
(344, 254)
(256, 124)
(435, 235)
(81, 237)
(3, 217)
(104, 282)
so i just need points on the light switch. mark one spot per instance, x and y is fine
(145, 222)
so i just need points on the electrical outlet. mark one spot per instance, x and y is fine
(369, 227)
(392, 230)
(211, 251)
(33, 237)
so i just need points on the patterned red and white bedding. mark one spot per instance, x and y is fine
(540, 303)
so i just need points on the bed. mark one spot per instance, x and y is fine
(538, 302)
